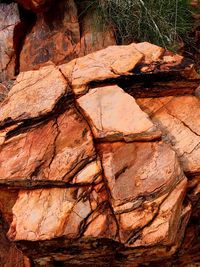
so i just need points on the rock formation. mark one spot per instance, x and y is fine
(99, 151)
(91, 175)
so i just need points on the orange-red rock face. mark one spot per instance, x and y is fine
(114, 115)
(179, 119)
(104, 64)
(88, 173)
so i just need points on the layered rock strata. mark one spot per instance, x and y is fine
(98, 176)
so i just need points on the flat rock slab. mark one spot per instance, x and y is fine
(114, 115)
(51, 151)
(136, 172)
(110, 62)
(141, 69)
(179, 119)
(34, 94)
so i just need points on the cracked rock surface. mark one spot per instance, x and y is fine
(179, 119)
(9, 19)
(91, 175)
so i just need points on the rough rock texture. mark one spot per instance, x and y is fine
(136, 171)
(179, 119)
(90, 176)
(55, 150)
(9, 19)
(48, 213)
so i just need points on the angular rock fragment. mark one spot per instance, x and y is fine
(8, 20)
(132, 222)
(102, 225)
(34, 94)
(73, 147)
(136, 172)
(163, 230)
(51, 151)
(41, 214)
(114, 115)
(141, 69)
(48, 213)
(92, 173)
(157, 59)
(110, 62)
(179, 120)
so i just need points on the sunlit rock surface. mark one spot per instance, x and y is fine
(90, 174)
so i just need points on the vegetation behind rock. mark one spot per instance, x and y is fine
(163, 22)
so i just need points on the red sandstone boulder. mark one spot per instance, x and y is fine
(85, 188)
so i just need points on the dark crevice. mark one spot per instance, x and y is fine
(103, 175)
(80, 12)
(152, 84)
(8, 2)
(160, 82)
(29, 184)
(28, 19)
